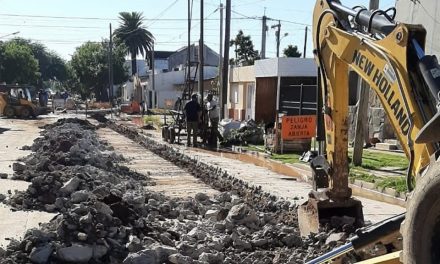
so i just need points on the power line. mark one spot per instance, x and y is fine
(426, 11)
(51, 26)
(162, 13)
(107, 19)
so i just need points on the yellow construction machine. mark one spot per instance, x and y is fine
(16, 101)
(390, 57)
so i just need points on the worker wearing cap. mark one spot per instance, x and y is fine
(193, 113)
(213, 114)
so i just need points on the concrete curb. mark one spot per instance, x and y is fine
(359, 188)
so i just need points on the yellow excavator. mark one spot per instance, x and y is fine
(16, 101)
(390, 57)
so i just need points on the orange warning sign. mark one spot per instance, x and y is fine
(297, 127)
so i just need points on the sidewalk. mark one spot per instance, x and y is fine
(278, 184)
(19, 133)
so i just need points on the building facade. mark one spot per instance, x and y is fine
(269, 87)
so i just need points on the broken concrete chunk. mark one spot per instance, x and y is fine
(99, 251)
(134, 244)
(79, 196)
(201, 197)
(18, 166)
(212, 214)
(212, 258)
(75, 253)
(335, 237)
(180, 259)
(163, 252)
(82, 236)
(40, 255)
(142, 257)
(292, 240)
(103, 208)
(71, 185)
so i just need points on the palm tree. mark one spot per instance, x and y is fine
(136, 38)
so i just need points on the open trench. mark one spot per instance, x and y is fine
(152, 204)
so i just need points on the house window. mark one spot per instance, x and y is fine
(233, 97)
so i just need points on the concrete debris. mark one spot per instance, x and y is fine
(106, 216)
(75, 253)
(335, 237)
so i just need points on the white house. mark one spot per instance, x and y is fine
(169, 85)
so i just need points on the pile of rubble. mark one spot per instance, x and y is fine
(107, 216)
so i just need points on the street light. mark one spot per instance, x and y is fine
(14, 33)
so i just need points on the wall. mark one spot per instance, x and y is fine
(141, 65)
(240, 78)
(179, 58)
(426, 13)
(168, 84)
(264, 75)
(285, 67)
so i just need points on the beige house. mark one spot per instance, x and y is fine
(270, 86)
(241, 93)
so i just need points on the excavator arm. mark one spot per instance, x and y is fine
(389, 57)
(389, 65)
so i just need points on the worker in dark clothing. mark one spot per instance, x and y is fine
(193, 113)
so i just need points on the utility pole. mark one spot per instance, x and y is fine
(220, 64)
(110, 64)
(263, 37)
(188, 54)
(277, 34)
(153, 81)
(201, 48)
(305, 42)
(361, 129)
(225, 79)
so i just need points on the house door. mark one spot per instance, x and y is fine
(250, 102)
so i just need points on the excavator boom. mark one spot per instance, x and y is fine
(389, 57)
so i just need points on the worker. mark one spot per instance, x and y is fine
(214, 115)
(142, 105)
(20, 95)
(193, 113)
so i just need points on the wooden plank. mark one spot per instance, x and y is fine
(392, 258)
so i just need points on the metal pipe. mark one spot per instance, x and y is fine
(379, 23)
(332, 254)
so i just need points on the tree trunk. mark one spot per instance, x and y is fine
(133, 63)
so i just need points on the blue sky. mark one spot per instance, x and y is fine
(63, 25)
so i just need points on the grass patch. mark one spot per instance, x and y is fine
(374, 160)
(356, 175)
(257, 148)
(396, 183)
(153, 120)
(287, 158)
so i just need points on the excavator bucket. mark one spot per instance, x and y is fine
(315, 213)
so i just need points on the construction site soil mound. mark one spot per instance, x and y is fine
(107, 216)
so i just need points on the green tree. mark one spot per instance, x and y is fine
(18, 64)
(292, 51)
(244, 50)
(51, 66)
(88, 69)
(136, 38)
